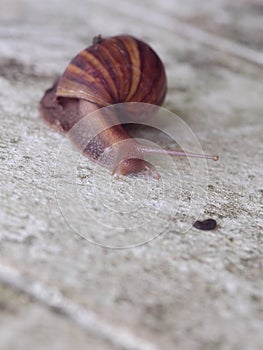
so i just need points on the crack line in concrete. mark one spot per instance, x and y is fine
(88, 320)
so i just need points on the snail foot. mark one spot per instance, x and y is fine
(132, 166)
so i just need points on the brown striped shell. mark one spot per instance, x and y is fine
(114, 70)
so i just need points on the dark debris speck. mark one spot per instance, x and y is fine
(205, 225)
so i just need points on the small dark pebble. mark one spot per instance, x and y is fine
(206, 225)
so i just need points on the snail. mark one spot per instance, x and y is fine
(111, 71)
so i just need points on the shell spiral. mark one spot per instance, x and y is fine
(115, 70)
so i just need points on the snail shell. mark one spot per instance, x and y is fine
(115, 70)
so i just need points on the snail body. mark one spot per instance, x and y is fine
(111, 71)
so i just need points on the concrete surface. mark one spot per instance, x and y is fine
(186, 289)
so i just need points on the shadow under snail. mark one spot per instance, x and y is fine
(111, 71)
